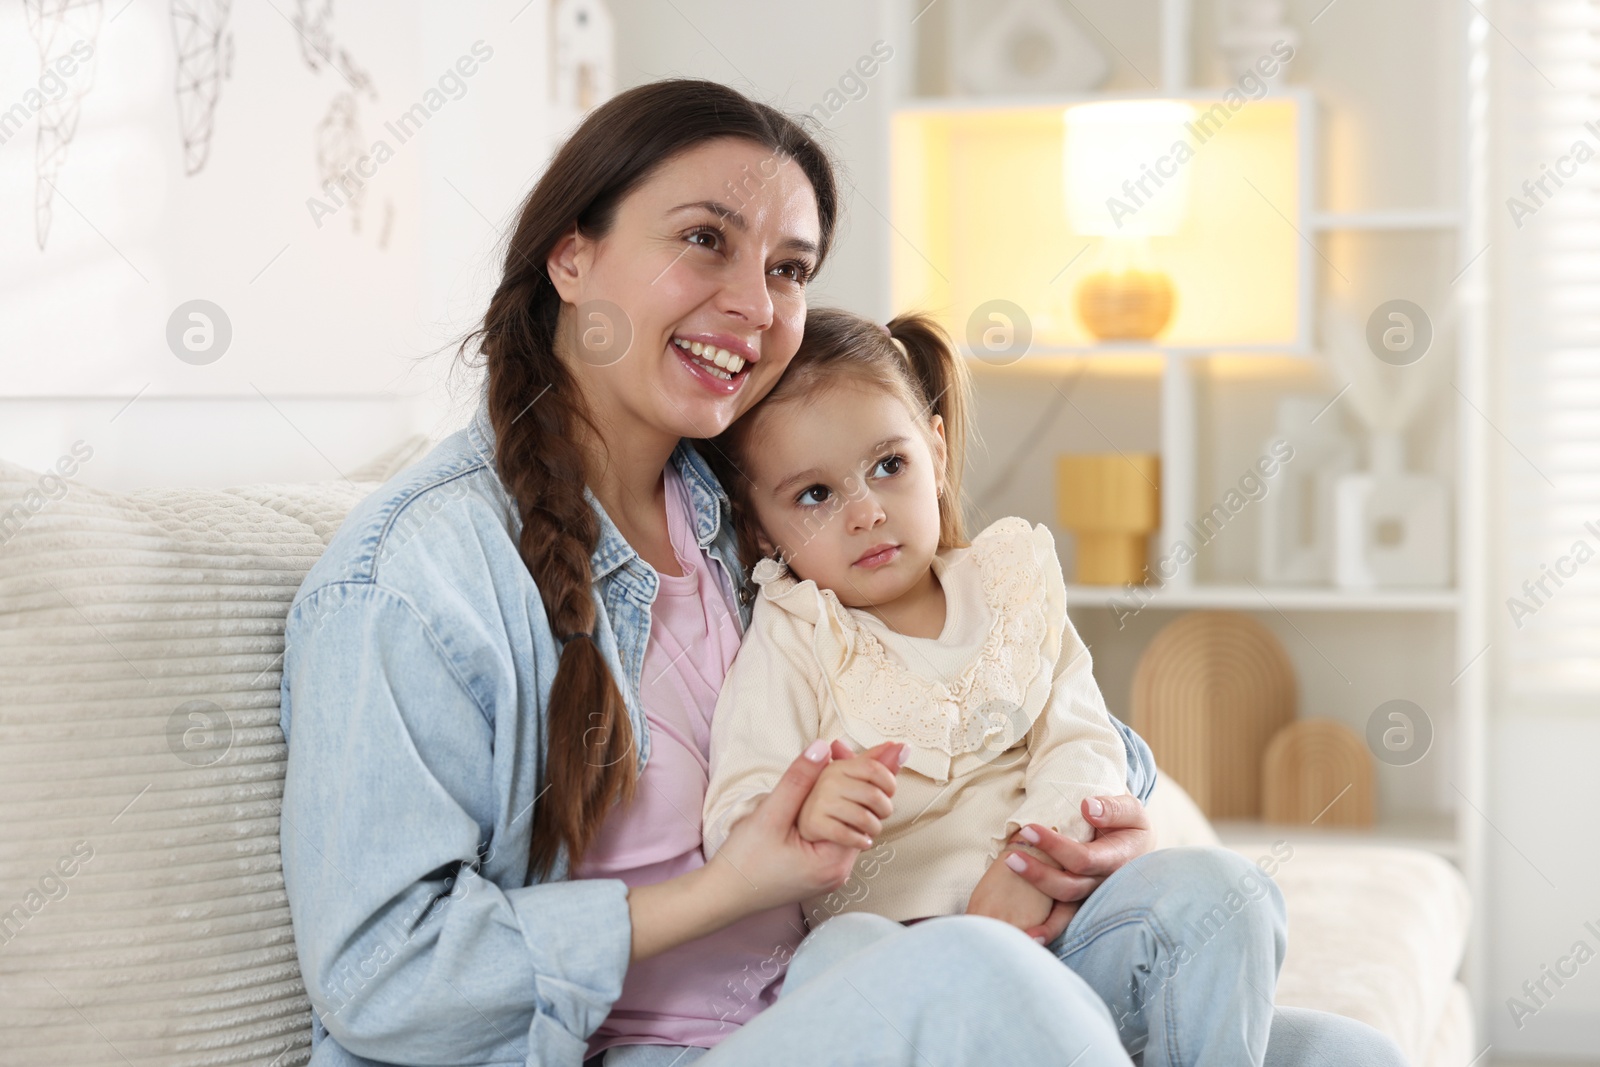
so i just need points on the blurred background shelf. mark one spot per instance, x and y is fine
(1309, 210)
(1435, 832)
(1265, 598)
(1418, 219)
(1136, 348)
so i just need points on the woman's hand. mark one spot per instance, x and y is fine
(1068, 871)
(766, 860)
(851, 799)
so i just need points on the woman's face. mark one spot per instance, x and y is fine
(712, 252)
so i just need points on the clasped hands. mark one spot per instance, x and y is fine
(1040, 878)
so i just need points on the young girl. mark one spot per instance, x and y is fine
(877, 621)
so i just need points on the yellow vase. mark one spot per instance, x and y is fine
(1111, 503)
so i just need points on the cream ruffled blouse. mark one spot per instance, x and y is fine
(1002, 712)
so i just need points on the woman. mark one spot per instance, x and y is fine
(490, 827)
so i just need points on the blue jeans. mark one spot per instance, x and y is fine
(1163, 966)
(951, 992)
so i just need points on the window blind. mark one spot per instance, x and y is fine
(1547, 125)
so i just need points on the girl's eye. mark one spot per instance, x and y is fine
(818, 494)
(889, 466)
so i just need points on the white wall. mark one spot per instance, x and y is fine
(330, 362)
(333, 317)
(791, 56)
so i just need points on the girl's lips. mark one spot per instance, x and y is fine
(878, 556)
(720, 386)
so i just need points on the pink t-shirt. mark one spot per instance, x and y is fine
(700, 992)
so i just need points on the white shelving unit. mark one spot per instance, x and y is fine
(1457, 834)
(1385, 220)
(1448, 627)
(1431, 833)
(1257, 597)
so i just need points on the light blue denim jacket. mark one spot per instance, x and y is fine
(417, 667)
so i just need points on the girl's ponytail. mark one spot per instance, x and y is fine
(941, 374)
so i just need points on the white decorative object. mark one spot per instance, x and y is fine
(1392, 526)
(1250, 30)
(583, 61)
(1296, 544)
(1027, 46)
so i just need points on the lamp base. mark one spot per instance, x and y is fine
(1125, 305)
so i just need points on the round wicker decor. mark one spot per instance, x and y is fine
(1318, 769)
(1208, 695)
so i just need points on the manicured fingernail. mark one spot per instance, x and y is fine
(905, 754)
(1038, 940)
(816, 750)
(1016, 863)
(1030, 835)
(1096, 808)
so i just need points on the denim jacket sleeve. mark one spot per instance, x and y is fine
(409, 953)
(1141, 761)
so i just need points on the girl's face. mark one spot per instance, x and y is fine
(712, 251)
(846, 485)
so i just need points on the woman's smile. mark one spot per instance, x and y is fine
(720, 363)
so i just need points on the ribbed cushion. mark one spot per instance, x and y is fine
(141, 636)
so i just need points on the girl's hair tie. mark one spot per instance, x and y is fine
(568, 637)
(898, 344)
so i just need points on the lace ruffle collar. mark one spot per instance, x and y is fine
(982, 710)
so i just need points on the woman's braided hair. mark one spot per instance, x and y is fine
(539, 417)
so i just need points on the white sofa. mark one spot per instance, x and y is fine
(142, 913)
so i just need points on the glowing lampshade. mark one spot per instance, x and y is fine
(1124, 177)
(981, 211)
(1121, 175)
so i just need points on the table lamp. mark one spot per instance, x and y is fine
(1125, 178)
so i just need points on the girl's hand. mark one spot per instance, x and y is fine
(1003, 894)
(1122, 833)
(851, 798)
(766, 862)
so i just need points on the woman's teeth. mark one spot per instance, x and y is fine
(714, 360)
